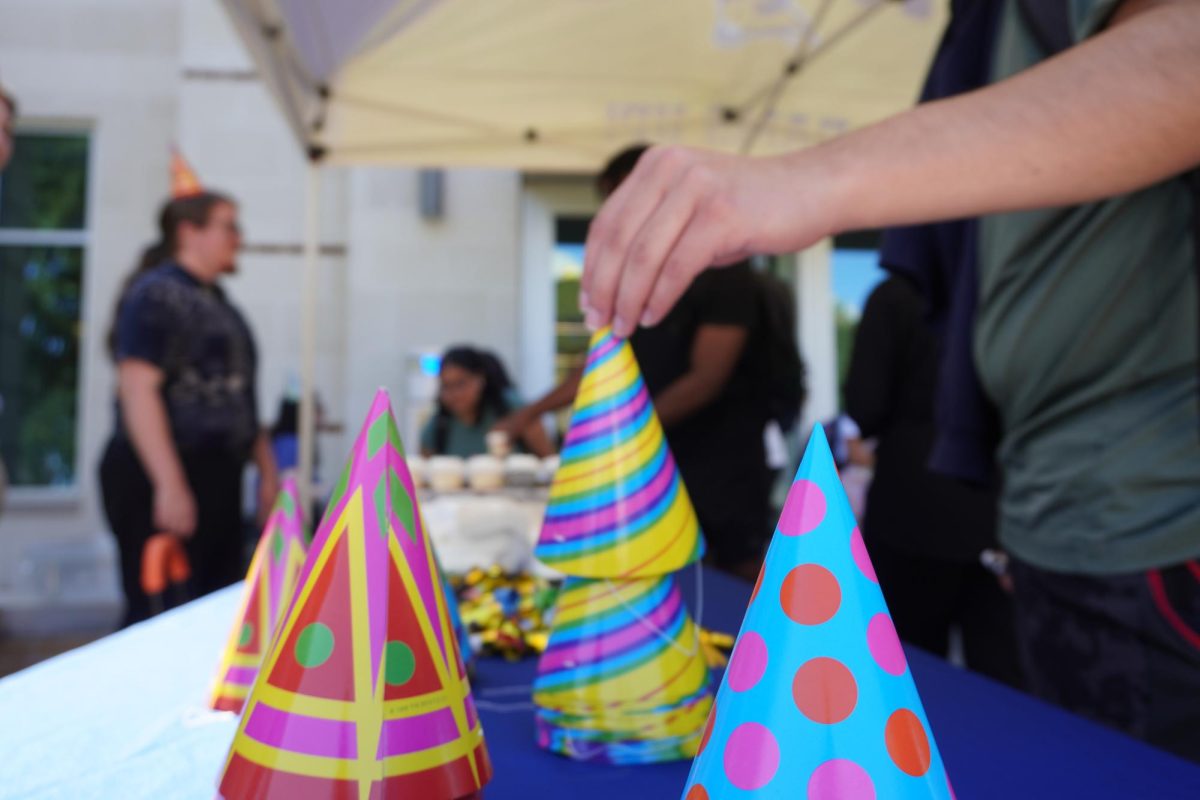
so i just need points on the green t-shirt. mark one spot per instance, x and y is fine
(464, 440)
(1085, 339)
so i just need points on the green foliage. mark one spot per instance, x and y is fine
(40, 296)
(43, 189)
(847, 327)
(571, 336)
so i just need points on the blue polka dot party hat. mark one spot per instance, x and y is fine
(818, 701)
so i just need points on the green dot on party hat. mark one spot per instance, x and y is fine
(399, 663)
(314, 645)
(246, 635)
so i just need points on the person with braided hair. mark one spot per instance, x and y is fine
(186, 419)
(475, 392)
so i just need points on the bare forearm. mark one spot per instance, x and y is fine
(684, 397)
(1116, 113)
(263, 455)
(537, 441)
(268, 475)
(145, 418)
(715, 351)
(560, 396)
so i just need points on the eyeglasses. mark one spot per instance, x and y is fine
(456, 385)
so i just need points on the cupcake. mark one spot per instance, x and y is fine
(485, 473)
(549, 468)
(521, 469)
(446, 473)
(418, 467)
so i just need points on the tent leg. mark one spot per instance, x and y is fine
(308, 337)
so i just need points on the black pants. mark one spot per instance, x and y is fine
(215, 551)
(929, 596)
(731, 501)
(1120, 649)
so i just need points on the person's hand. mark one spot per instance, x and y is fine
(998, 563)
(684, 210)
(175, 509)
(268, 493)
(515, 423)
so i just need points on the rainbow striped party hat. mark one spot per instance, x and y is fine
(618, 508)
(623, 678)
(818, 701)
(363, 693)
(270, 582)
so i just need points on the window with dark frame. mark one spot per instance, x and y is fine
(43, 238)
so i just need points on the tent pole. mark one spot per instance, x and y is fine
(807, 51)
(308, 336)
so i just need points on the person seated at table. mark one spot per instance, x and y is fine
(475, 392)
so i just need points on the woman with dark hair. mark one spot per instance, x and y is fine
(474, 393)
(186, 410)
(193, 209)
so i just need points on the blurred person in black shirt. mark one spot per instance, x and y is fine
(706, 374)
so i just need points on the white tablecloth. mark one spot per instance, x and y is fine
(69, 730)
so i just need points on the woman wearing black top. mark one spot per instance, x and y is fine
(186, 416)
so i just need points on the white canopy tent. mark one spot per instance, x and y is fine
(558, 85)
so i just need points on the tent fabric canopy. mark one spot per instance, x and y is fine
(558, 85)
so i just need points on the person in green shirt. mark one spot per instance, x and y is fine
(1084, 334)
(474, 393)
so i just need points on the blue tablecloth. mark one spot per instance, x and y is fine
(124, 718)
